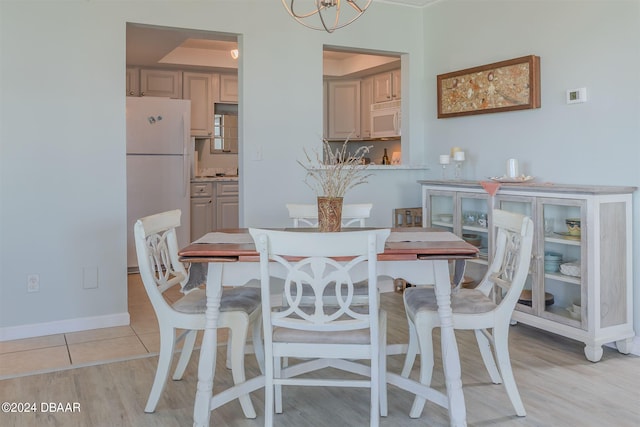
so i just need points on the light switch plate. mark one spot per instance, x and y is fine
(575, 96)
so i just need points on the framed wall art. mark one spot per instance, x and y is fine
(502, 86)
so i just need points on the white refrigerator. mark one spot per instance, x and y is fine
(159, 159)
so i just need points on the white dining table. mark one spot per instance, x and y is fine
(418, 255)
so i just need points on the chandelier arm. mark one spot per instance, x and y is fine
(325, 5)
(335, 22)
(354, 5)
(289, 9)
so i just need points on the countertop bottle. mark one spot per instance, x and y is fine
(385, 158)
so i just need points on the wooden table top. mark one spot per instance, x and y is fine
(394, 251)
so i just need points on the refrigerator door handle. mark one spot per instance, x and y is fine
(185, 154)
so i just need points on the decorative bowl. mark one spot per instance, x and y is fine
(551, 266)
(446, 217)
(473, 239)
(526, 298)
(552, 256)
(573, 226)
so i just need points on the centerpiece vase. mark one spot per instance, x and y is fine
(329, 214)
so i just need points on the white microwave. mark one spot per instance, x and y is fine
(385, 119)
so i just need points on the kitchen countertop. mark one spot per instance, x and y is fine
(214, 178)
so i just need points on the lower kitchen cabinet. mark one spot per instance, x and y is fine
(214, 206)
(227, 205)
(580, 282)
(202, 212)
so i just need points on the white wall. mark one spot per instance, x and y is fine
(63, 187)
(62, 129)
(592, 44)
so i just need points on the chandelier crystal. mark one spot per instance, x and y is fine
(327, 15)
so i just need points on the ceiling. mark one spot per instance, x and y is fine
(150, 46)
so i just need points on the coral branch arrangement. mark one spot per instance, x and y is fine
(333, 173)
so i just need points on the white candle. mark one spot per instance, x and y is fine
(512, 168)
(445, 159)
(454, 150)
(458, 156)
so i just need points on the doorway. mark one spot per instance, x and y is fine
(201, 66)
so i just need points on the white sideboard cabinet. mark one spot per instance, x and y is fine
(586, 294)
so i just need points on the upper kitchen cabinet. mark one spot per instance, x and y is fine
(165, 83)
(396, 84)
(133, 81)
(198, 87)
(366, 99)
(387, 86)
(228, 88)
(343, 109)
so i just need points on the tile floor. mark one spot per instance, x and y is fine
(70, 350)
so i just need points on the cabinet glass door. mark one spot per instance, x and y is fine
(524, 206)
(473, 210)
(440, 210)
(474, 221)
(564, 260)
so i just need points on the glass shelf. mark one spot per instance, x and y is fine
(562, 240)
(475, 228)
(563, 278)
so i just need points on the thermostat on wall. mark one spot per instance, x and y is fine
(577, 95)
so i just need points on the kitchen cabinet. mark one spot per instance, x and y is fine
(214, 206)
(202, 211)
(366, 99)
(133, 81)
(588, 296)
(228, 88)
(343, 109)
(165, 83)
(198, 88)
(227, 213)
(396, 84)
(387, 86)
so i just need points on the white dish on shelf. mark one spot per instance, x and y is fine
(570, 269)
(574, 313)
(448, 218)
(522, 178)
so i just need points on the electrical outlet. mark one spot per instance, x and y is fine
(33, 283)
(90, 277)
(257, 154)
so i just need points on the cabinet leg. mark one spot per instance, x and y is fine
(593, 352)
(624, 346)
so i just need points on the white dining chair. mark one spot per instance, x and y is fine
(321, 335)
(353, 215)
(475, 309)
(160, 270)
(306, 215)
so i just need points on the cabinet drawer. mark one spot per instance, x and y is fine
(226, 189)
(201, 189)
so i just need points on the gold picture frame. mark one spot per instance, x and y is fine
(502, 86)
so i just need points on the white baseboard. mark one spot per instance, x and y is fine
(63, 326)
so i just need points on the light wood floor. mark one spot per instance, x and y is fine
(558, 385)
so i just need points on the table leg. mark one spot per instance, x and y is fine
(207, 363)
(450, 355)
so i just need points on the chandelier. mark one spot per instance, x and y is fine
(330, 14)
